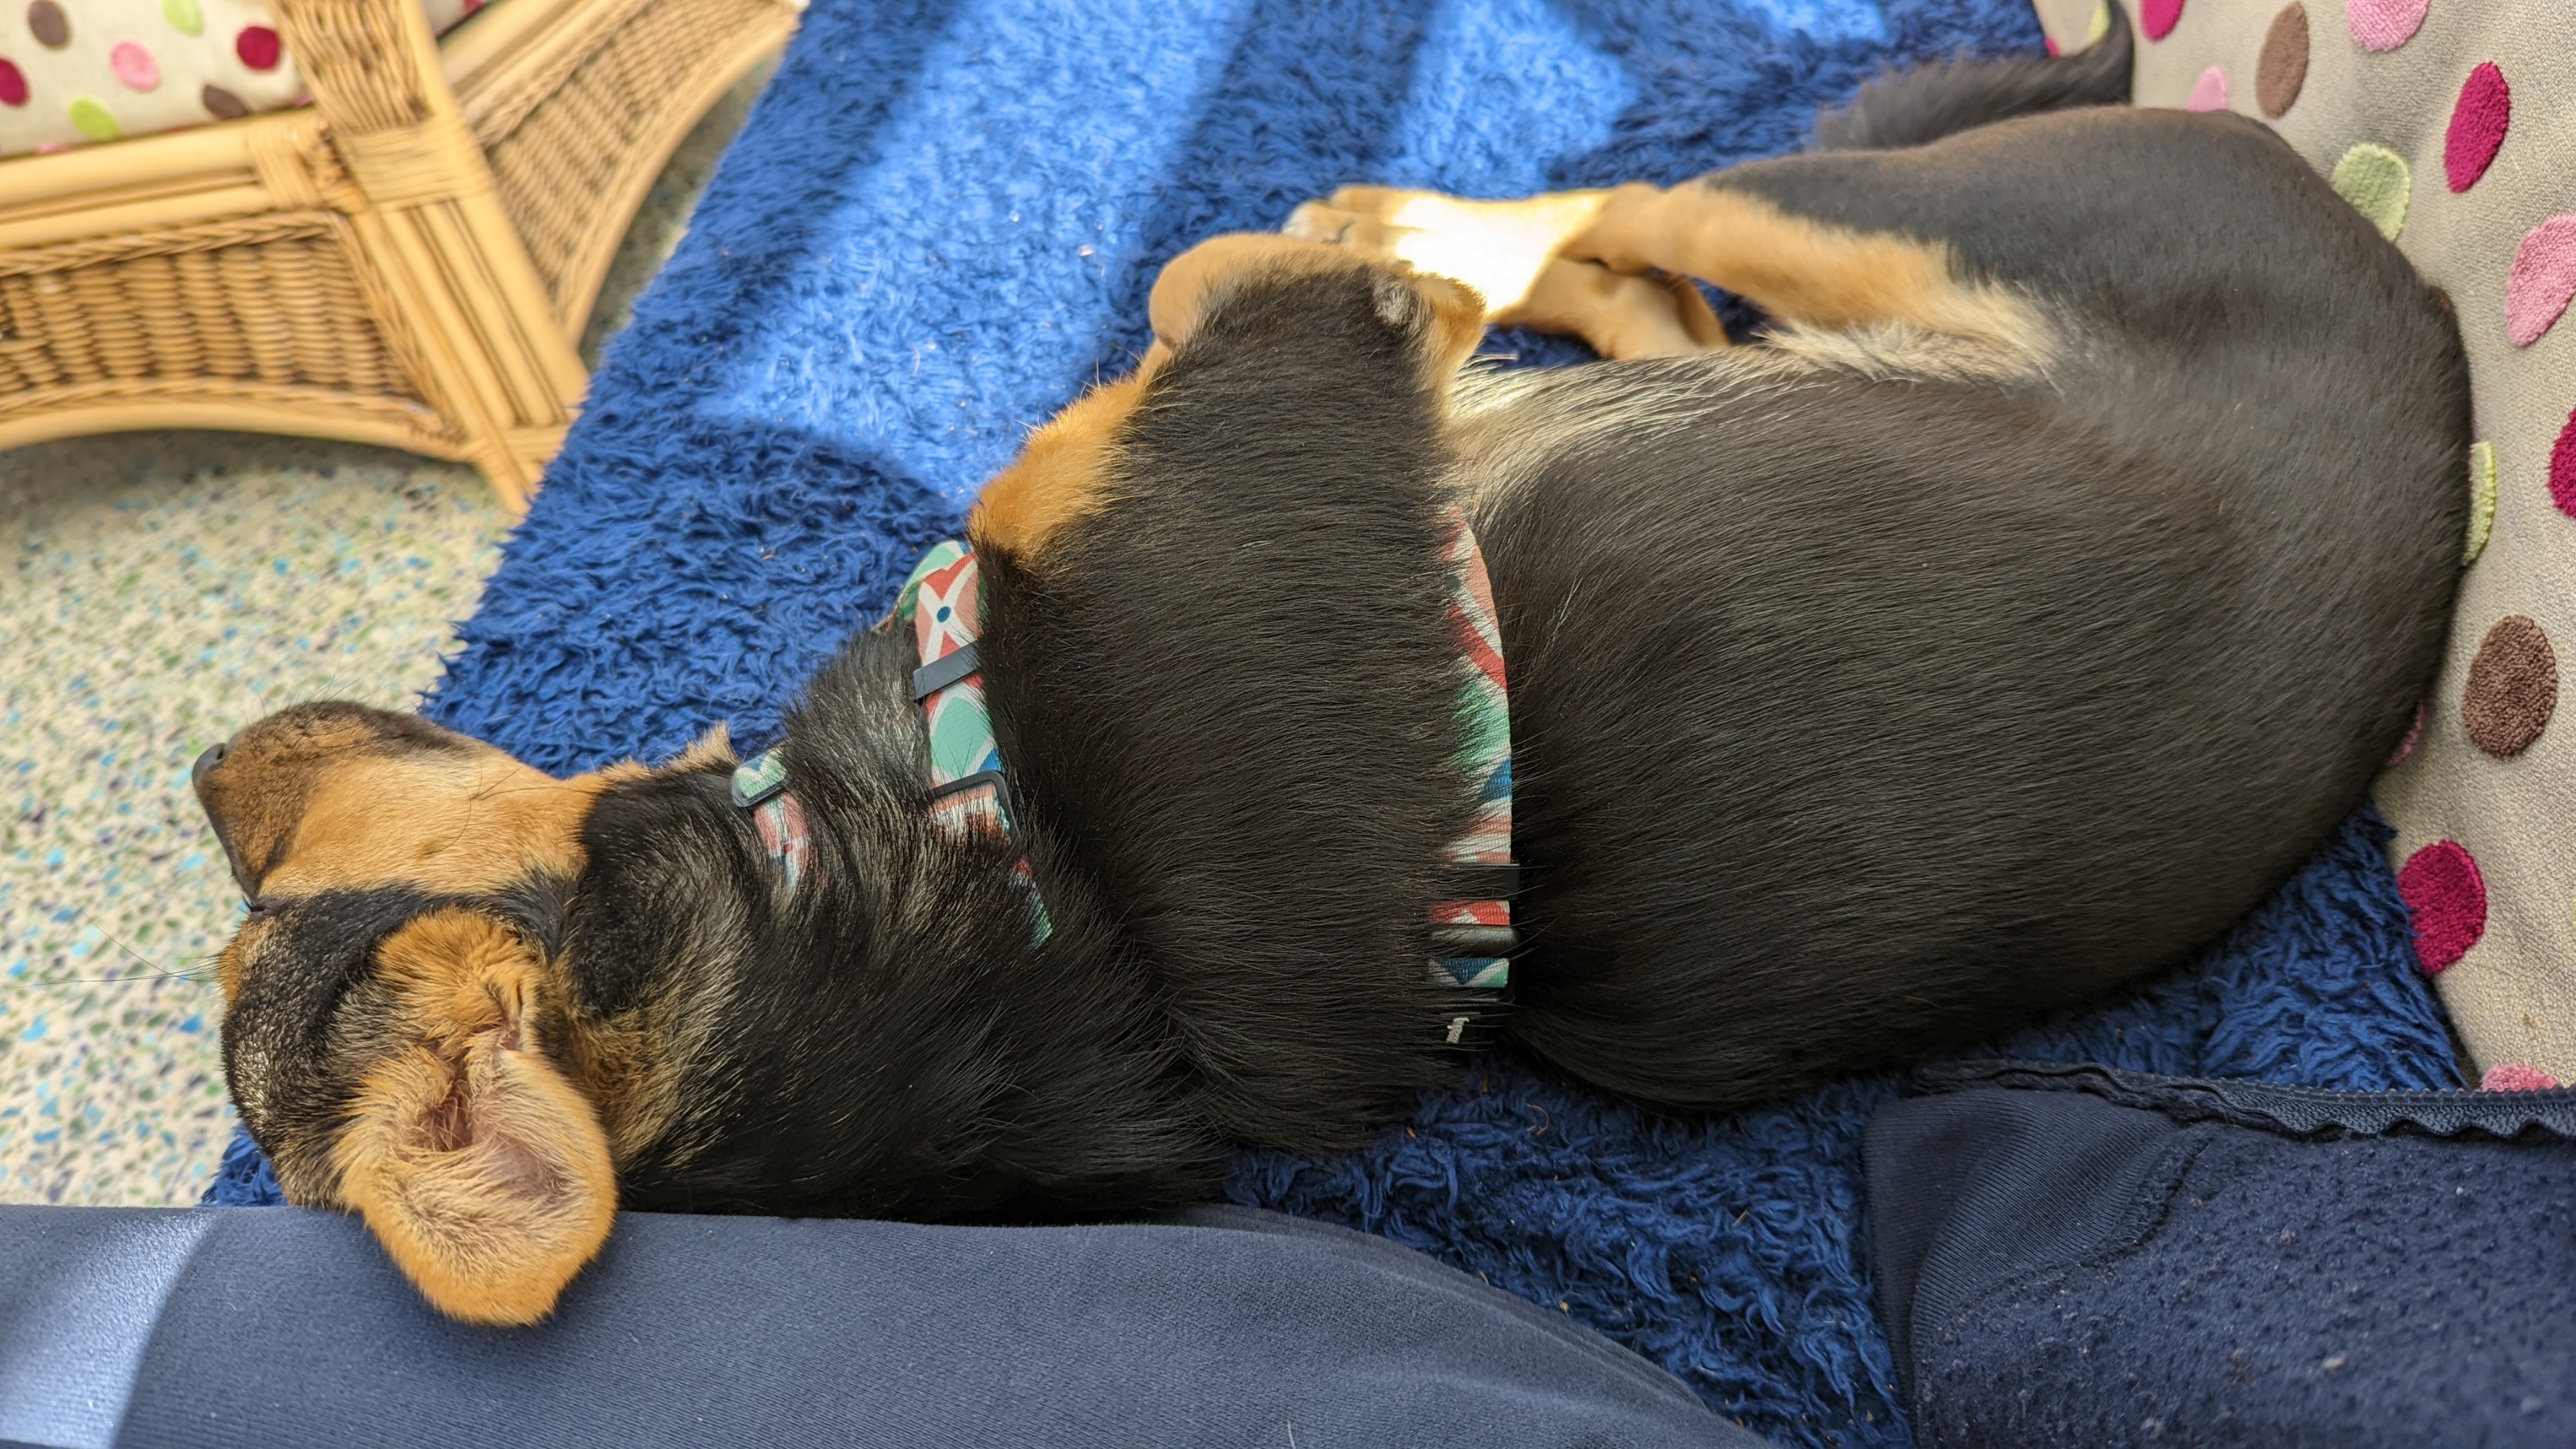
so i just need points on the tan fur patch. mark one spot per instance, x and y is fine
(1499, 248)
(1065, 474)
(1619, 316)
(481, 1169)
(710, 751)
(1809, 272)
(321, 798)
(455, 826)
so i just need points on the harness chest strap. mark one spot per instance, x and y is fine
(1475, 934)
(943, 602)
(969, 785)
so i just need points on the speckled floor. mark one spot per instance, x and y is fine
(159, 591)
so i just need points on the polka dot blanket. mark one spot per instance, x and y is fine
(940, 223)
(73, 71)
(2453, 126)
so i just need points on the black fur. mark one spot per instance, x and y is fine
(283, 1029)
(884, 1042)
(1912, 107)
(1233, 705)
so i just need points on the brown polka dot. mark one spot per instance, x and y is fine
(2283, 68)
(2513, 687)
(222, 103)
(46, 22)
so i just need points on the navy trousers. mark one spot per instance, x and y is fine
(2079, 1256)
(280, 1327)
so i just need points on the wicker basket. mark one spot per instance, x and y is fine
(408, 261)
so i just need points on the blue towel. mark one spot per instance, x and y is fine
(940, 223)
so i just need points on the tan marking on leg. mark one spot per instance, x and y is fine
(1503, 250)
(1911, 312)
(1619, 316)
(1500, 248)
(1808, 272)
(1064, 474)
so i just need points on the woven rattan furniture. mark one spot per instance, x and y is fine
(407, 261)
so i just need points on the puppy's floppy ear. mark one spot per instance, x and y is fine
(480, 1167)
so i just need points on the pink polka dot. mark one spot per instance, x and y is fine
(2542, 279)
(134, 65)
(2478, 122)
(2515, 1077)
(2158, 17)
(13, 84)
(2209, 93)
(2562, 469)
(2414, 737)
(2384, 24)
(258, 48)
(2446, 899)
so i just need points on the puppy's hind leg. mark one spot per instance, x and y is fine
(1069, 471)
(1849, 288)
(1816, 272)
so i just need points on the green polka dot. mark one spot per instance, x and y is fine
(2376, 181)
(93, 120)
(184, 16)
(2482, 499)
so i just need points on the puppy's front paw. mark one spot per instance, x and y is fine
(1321, 221)
(1497, 247)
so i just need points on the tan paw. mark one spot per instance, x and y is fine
(1497, 247)
(1319, 221)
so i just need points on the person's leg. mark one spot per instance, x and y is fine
(2242, 1264)
(1226, 1327)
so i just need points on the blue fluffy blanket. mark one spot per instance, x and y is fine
(940, 224)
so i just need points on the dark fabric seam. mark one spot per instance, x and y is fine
(2135, 1228)
(2300, 1112)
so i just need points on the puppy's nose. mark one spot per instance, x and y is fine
(213, 756)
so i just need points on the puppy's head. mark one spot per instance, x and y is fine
(397, 1028)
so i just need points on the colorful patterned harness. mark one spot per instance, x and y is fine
(970, 795)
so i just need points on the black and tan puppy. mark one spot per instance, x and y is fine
(2021, 611)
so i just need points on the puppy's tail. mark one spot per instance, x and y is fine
(1911, 107)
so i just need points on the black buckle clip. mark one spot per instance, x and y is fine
(1001, 796)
